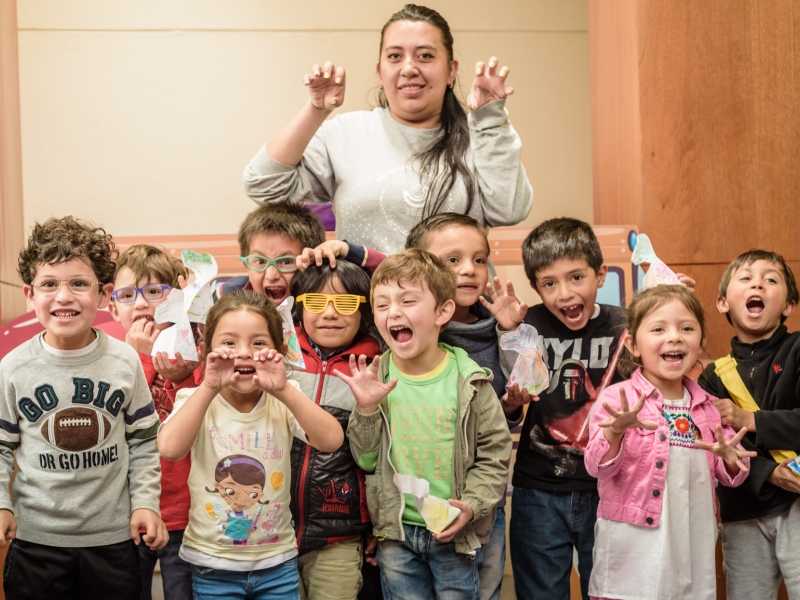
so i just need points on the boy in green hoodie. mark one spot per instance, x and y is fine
(426, 411)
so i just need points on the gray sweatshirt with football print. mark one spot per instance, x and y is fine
(83, 429)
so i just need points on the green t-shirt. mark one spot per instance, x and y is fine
(422, 417)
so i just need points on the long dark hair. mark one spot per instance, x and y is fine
(451, 147)
(352, 278)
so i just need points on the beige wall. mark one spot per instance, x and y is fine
(142, 115)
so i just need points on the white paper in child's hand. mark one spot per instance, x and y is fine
(656, 271)
(529, 371)
(183, 307)
(437, 512)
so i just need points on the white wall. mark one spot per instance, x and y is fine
(142, 115)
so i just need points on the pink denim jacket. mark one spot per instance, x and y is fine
(631, 484)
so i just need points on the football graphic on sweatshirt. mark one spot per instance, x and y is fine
(76, 429)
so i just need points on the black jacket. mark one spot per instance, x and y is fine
(329, 501)
(770, 370)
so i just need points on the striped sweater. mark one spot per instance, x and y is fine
(83, 429)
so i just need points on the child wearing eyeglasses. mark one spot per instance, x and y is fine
(144, 277)
(78, 419)
(329, 505)
(270, 239)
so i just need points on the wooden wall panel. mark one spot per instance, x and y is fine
(616, 135)
(12, 302)
(720, 121)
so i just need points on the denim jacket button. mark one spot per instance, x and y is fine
(649, 520)
(659, 464)
(656, 493)
(662, 437)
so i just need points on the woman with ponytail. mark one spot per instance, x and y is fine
(419, 153)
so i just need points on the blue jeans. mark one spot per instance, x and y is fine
(545, 527)
(176, 573)
(276, 583)
(420, 568)
(494, 559)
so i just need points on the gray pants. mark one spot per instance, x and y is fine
(758, 552)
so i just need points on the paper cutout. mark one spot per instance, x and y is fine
(795, 467)
(529, 371)
(293, 355)
(656, 272)
(437, 512)
(183, 307)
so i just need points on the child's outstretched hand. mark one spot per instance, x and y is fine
(516, 398)
(177, 371)
(728, 450)
(142, 335)
(331, 249)
(156, 535)
(449, 532)
(8, 527)
(506, 308)
(219, 369)
(270, 373)
(626, 418)
(364, 383)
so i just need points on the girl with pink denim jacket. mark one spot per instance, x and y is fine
(656, 462)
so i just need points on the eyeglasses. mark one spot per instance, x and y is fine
(51, 285)
(345, 304)
(150, 292)
(258, 263)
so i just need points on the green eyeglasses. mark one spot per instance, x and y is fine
(259, 264)
(345, 304)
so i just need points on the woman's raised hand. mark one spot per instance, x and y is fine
(326, 86)
(489, 84)
(626, 418)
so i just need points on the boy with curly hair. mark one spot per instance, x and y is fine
(76, 414)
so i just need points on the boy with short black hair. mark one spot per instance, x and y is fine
(555, 499)
(270, 239)
(759, 388)
(76, 413)
(144, 278)
(425, 410)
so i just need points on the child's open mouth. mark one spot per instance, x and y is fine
(145, 317)
(64, 314)
(244, 371)
(402, 335)
(673, 357)
(573, 313)
(755, 306)
(275, 294)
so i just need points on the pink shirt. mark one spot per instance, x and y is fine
(631, 485)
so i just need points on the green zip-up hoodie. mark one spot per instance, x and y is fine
(481, 455)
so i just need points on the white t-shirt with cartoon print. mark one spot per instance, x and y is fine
(240, 485)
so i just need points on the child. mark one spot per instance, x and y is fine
(656, 530)
(237, 425)
(145, 275)
(460, 243)
(425, 410)
(328, 499)
(270, 239)
(77, 416)
(554, 498)
(760, 520)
